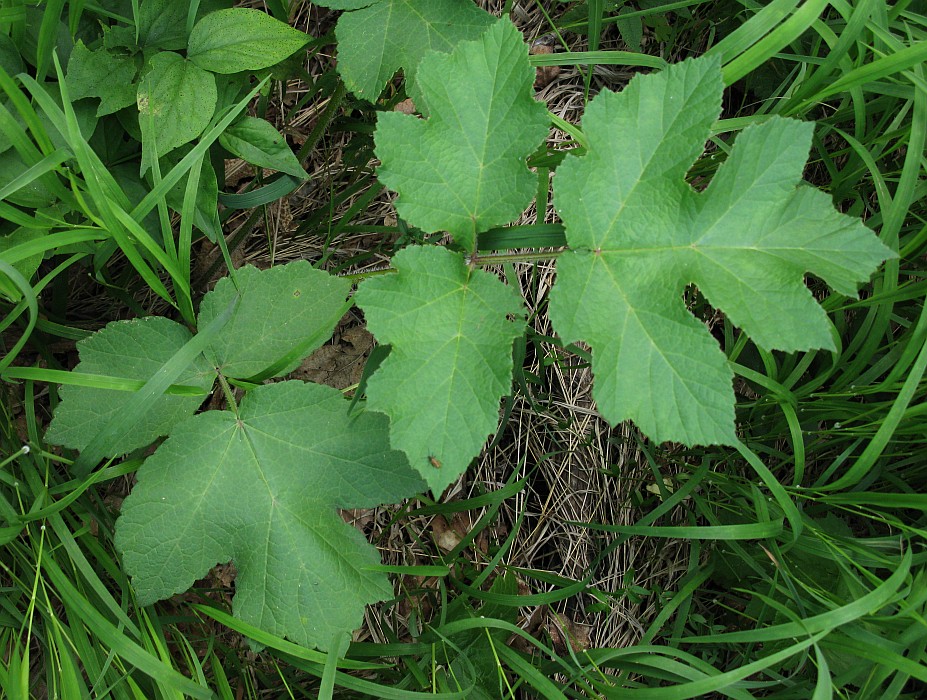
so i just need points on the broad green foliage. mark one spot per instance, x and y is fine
(130, 350)
(242, 39)
(260, 489)
(257, 484)
(451, 333)
(639, 234)
(258, 142)
(381, 37)
(102, 74)
(163, 24)
(168, 69)
(463, 169)
(285, 313)
(176, 100)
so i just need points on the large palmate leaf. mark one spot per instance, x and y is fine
(129, 350)
(260, 489)
(451, 329)
(463, 169)
(382, 36)
(639, 234)
(285, 313)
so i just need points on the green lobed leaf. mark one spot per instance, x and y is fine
(259, 143)
(242, 39)
(451, 359)
(176, 100)
(285, 313)
(383, 36)
(463, 169)
(131, 350)
(260, 489)
(103, 75)
(639, 234)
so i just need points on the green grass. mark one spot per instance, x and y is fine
(806, 573)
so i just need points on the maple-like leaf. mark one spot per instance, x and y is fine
(463, 169)
(382, 36)
(451, 329)
(261, 489)
(285, 313)
(133, 349)
(639, 234)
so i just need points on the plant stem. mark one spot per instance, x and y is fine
(229, 395)
(476, 260)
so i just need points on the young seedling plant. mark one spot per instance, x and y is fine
(258, 483)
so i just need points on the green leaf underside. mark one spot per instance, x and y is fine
(261, 490)
(103, 75)
(289, 309)
(132, 350)
(383, 36)
(259, 143)
(176, 100)
(451, 358)
(242, 39)
(463, 169)
(639, 234)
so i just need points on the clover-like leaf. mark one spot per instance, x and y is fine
(639, 234)
(381, 36)
(133, 349)
(285, 313)
(260, 489)
(463, 169)
(451, 329)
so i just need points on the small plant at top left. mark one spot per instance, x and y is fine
(111, 119)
